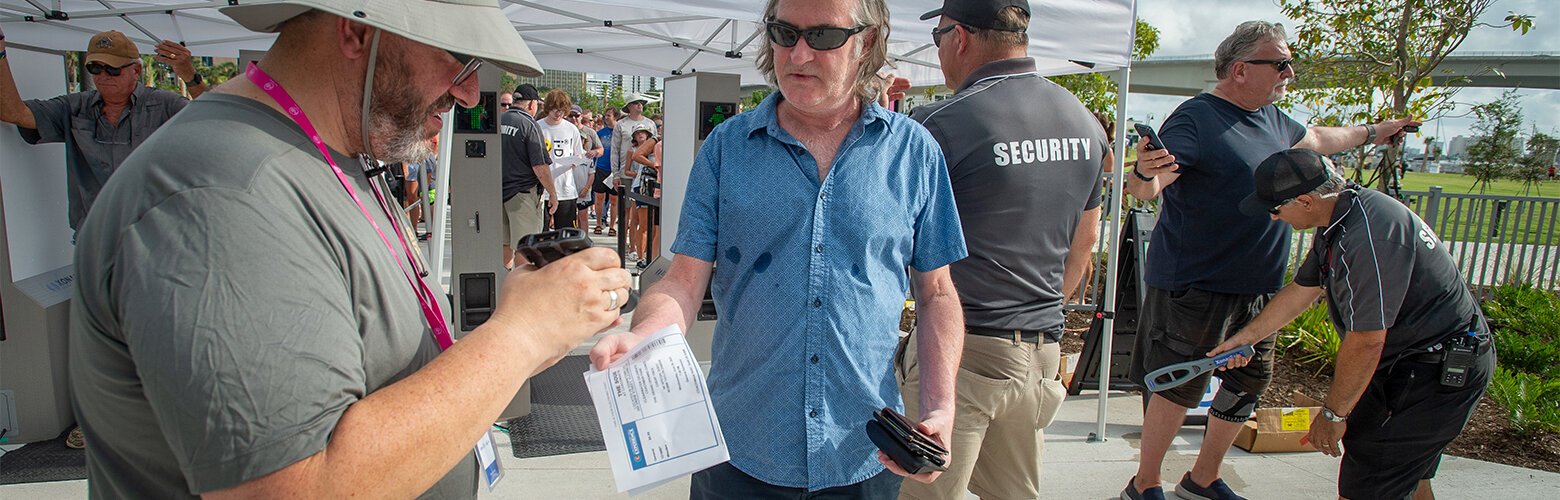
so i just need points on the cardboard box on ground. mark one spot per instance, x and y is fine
(1274, 430)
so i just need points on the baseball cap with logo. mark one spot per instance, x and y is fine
(475, 28)
(978, 13)
(112, 48)
(1283, 176)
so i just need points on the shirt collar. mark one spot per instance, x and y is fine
(1003, 67)
(135, 96)
(1346, 202)
(767, 116)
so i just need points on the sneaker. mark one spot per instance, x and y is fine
(1131, 492)
(1189, 490)
(633, 256)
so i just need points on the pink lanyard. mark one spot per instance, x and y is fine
(425, 296)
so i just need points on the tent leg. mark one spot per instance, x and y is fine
(1113, 217)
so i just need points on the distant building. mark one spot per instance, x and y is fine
(1459, 147)
(572, 82)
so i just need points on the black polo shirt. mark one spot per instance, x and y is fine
(1025, 160)
(524, 147)
(1383, 268)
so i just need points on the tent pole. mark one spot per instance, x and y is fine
(441, 203)
(1112, 235)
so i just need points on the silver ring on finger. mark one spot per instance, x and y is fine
(612, 297)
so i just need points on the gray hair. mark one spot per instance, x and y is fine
(870, 13)
(1243, 42)
(1335, 184)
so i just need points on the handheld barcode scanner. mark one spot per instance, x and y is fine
(1174, 375)
(542, 248)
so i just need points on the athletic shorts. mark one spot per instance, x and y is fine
(1184, 325)
(600, 186)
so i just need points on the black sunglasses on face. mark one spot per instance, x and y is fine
(822, 38)
(1280, 206)
(98, 68)
(504, 105)
(1279, 64)
(937, 33)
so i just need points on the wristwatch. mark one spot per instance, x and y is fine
(1328, 414)
(1370, 135)
(197, 80)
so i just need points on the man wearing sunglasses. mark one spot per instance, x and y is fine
(1394, 291)
(1036, 166)
(248, 322)
(814, 204)
(99, 127)
(1209, 267)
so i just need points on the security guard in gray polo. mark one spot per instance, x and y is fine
(1026, 159)
(1416, 353)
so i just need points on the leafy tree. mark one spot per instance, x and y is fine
(1534, 167)
(1373, 60)
(1494, 152)
(1098, 91)
(757, 97)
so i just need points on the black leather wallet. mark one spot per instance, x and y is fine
(906, 446)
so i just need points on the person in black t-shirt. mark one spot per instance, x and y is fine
(1395, 293)
(1209, 268)
(526, 169)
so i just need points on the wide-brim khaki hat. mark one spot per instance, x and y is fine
(477, 28)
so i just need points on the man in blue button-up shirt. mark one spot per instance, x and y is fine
(814, 204)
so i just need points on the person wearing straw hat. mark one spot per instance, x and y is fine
(99, 127)
(241, 319)
(623, 135)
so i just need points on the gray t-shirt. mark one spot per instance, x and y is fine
(93, 147)
(1384, 269)
(232, 303)
(623, 141)
(1025, 158)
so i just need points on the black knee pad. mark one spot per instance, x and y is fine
(1232, 406)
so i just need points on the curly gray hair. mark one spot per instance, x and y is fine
(870, 13)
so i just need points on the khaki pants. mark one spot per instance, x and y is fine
(1007, 392)
(523, 215)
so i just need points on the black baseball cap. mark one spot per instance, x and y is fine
(978, 13)
(1283, 176)
(527, 92)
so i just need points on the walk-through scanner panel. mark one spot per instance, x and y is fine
(477, 217)
(694, 105)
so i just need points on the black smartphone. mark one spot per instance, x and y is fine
(1153, 138)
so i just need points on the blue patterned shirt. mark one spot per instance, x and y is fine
(809, 280)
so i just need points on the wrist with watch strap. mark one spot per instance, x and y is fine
(196, 80)
(1142, 177)
(1370, 135)
(1332, 416)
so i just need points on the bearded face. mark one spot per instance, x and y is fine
(402, 124)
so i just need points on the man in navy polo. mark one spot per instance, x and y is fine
(814, 204)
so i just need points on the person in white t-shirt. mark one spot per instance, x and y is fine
(571, 172)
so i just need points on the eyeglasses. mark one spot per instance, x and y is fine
(937, 33)
(504, 105)
(1280, 206)
(822, 38)
(1280, 64)
(98, 68)
(470, 67)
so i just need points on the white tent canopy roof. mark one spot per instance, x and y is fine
(646, 37)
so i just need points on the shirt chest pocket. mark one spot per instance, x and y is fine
(97, 144)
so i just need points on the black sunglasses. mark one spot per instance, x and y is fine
(1280, 204)
(504, 105)
(937, 33)
(99, 68)
(822, 38)
(1279, 64)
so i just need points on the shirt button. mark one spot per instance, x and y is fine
(813, 414)
(817, 302)
(815, 359)
(820, 248)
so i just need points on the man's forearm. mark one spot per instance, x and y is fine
(939, 342)
(1081, 256)
(1358, 356)
(544, 177)
(1285, 307)
(1141, 189)
(675, 299)
(12, 109)
(1332, 140)
(436, 415)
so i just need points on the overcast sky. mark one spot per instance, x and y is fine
(1195, 27)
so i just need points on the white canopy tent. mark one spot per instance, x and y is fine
(640, 37)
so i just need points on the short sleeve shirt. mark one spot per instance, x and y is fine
(94, 148)
(810, 278)
(1022, 176)
(563, 146)
(604, 162)
(524, 147)
(1384, 269)
(1202, 239)
(233, 303)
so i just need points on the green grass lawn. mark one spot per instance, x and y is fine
(1463, 184)
(1521, 222)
